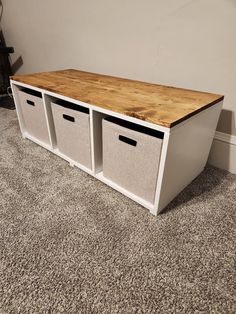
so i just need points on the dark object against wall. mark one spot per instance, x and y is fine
(5, 67)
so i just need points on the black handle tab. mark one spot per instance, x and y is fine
(127, 140)
(69, 118)
(30, 102)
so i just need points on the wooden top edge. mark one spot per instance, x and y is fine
(19, 76)
(196, 112)
(158, 104)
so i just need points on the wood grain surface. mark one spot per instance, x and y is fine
(158, 104)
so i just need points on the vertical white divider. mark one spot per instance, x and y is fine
(49, 119)
(97, 118)
(164, 149)
(18, 108)
(91, 123)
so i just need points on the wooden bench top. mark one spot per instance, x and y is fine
(163, 105)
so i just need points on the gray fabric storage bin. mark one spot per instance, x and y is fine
(32, 108)
(131, 156)
(72, 129)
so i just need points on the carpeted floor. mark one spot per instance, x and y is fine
(70, 244)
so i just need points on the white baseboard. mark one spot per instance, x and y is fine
(223, 152)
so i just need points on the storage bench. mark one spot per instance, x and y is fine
(145, 140)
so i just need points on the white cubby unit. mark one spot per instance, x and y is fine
(181, 155)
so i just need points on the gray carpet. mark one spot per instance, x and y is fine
(70, 244)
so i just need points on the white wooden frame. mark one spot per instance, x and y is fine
(185, 147)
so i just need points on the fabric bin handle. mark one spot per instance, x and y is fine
(127, 140)
(30, 102)
(69, 118)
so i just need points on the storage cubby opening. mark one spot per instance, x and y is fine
(131, 155)
(97, 118)
(32, 116)
(71, 131)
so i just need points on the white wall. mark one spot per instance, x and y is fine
(183, 43)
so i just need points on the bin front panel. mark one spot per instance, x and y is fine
(34, 116)
(73, 134)
(131, 159)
